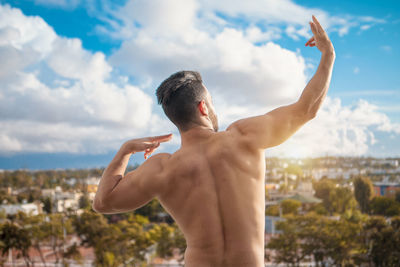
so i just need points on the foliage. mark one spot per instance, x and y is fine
(290, 206)
(16, 238)
(363, 192)
(323, 189)
(126, 241)
(342, 199)
(385, 206)
(336, 199)
(272, 210)
(352, 240)
(84, 202)
(154, 211)
(47, 205)
(397, 195)
(381, 241)
(287, 245)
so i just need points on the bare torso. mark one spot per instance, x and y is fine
(216, 195)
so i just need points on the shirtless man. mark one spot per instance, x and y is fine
(213, 186)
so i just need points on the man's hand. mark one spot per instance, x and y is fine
(320, 38)
(146, 144)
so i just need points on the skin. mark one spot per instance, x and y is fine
(213, 186)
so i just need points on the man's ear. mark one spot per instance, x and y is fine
(203, 108)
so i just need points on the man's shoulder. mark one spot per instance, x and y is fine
(236, 127)
(159, 158)
(156, 165)
(238, 131)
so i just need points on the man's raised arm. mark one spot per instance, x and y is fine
(118, 193)
(277, 126)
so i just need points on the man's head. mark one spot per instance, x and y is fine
(186, 100)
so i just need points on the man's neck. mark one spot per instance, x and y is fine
(195, 134)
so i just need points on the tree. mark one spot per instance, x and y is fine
(342, 199)
(397, 195)
(323, 189)
(290, 206)
(363, 192)
(47, 205)
(122, 243)
(15, 238)
(385, 206)
(138, 237)
(287, 245)
(179, 240)
(165, 240)
(316, 236)
(39, 233)
(84, 202)
(92, 228)
(342, 241)
(59, 227)
(381, 241)
(272, 210)
(334, 198)
(152, 210)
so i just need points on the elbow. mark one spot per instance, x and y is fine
(307, 116)
(306, 111)
(311, 115)
(98, 206)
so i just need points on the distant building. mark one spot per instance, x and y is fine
(92, 184)
(62, 200)
(386, 189)
(334, 173)
(389, 162)
(305, 188)
(28, 208)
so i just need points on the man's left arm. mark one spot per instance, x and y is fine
(117, 193)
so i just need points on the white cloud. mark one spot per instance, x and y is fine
(386, 48)
(227, 59)
(338, 130)
(356, 70)
(58, 97)
(123, 22)
(365, 27)
(66, 4)
(255, 35)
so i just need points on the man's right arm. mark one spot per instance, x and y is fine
(277, 126)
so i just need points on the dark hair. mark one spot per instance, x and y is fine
(179, 96)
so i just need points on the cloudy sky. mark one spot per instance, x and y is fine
(78, 78)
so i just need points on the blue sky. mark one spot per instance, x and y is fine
(89, 69)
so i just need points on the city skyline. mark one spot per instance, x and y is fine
(79, 77)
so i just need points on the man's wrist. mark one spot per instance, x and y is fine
(329, 53)
(126, 149)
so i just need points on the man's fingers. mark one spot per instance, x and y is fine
(148, 152)
(150, 145)
(319, 27)
(310, 40)
(313, 28)
(161, 138)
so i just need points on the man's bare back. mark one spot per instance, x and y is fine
(215, 193)
(213, 186)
